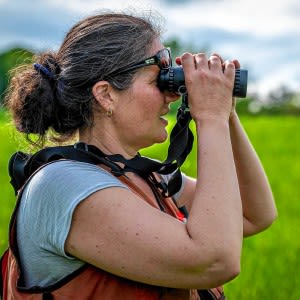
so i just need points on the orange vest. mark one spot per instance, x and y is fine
(92, 283)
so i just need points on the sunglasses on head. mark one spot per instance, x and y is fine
(162, 59)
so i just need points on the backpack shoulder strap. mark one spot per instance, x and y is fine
(22, 165)
(3, 274)
(212, 294)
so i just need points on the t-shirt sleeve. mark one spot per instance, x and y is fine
(51, 196)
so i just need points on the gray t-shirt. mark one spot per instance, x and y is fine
(45, 213)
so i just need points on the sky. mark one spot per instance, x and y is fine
(263, 34)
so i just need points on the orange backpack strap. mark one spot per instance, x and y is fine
(164, 203)
(3, 274)
(212, 294)
(135, 188)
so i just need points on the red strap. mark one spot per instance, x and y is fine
(4, 262)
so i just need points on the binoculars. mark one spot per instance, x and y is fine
(172, 80)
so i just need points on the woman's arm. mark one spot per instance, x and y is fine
(259, 209)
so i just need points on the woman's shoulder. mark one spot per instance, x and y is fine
(62, 185)
(71, 173)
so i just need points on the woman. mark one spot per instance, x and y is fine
(86, 234)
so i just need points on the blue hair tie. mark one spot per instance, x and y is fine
(43, 70)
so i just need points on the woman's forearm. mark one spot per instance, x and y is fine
(216, 207)
(259, 209)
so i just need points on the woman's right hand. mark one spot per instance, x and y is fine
(209, 83)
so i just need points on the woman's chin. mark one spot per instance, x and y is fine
(162, 137)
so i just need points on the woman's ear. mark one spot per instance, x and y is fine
(102, 92)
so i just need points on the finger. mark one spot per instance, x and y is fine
(229, 68)
(178, 60)
(188, 61)
(201, 61)
(220, 57)
(236, 63)
(215, 63)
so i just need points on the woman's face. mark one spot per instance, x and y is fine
(139, 112)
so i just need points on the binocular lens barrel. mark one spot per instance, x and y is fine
(172, 80)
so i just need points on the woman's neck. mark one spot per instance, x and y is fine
(107, 142)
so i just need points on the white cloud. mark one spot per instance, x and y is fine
(261, 18)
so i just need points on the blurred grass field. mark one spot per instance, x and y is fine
(271, 259)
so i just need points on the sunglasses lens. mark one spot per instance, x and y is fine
(165, 60)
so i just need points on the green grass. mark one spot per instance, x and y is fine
(270, 263)
(270, 260)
